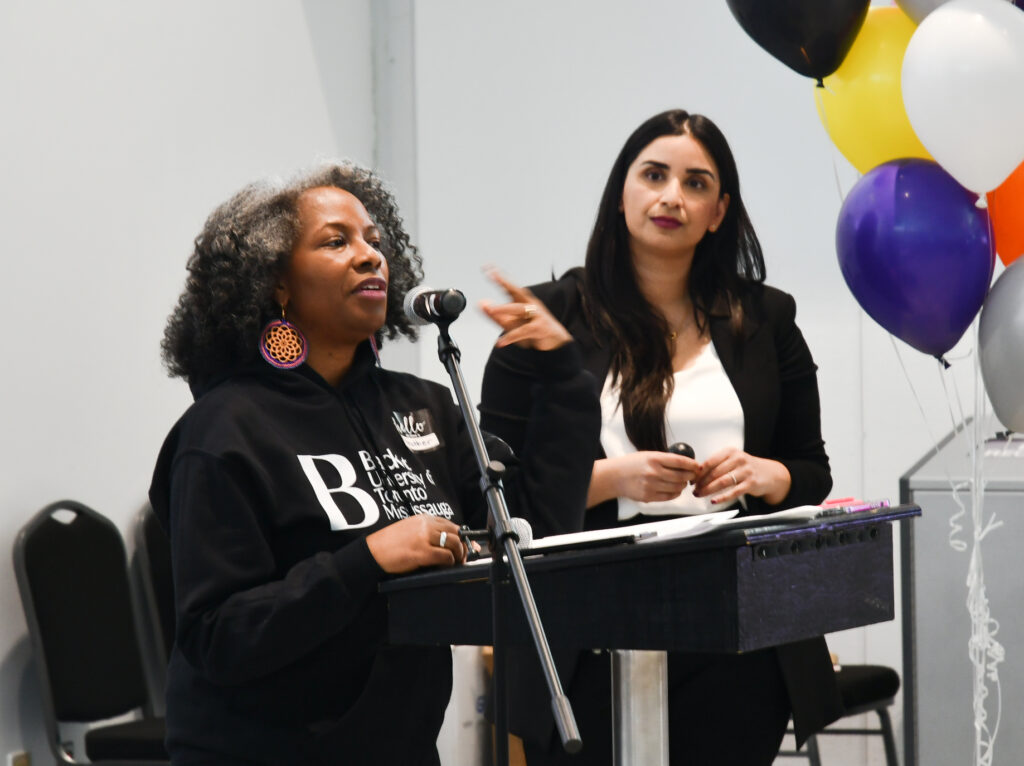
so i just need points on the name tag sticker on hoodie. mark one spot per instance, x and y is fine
(417, 430)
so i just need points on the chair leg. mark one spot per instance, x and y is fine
(812, 750)
(887, 737)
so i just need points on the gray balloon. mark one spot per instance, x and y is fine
(918, 9)
(1001, 346)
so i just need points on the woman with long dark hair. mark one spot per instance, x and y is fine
(672, 314)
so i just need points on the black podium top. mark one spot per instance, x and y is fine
(729, 591)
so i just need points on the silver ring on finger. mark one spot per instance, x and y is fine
(733, 477)
(443, 540)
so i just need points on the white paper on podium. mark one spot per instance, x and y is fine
(680, 526)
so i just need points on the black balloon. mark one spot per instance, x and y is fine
(809, 36)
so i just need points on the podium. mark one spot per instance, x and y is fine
(733, 590)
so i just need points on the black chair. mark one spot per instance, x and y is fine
(864, 689)
(151, 567)
(72, 574)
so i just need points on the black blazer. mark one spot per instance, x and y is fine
(774, 376)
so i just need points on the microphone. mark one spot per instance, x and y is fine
(424, 305)
(520, 528)
(523, 531)
(681, 448)
(684, 449)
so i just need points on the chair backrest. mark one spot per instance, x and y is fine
(72, 573)
(153, 552)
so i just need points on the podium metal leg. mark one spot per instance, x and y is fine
(639, 708)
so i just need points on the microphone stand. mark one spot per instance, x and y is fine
(491, 472)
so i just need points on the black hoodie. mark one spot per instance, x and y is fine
(268, 486)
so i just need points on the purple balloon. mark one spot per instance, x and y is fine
(916, 252)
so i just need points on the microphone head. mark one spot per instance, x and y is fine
(453, 302)
(523, 530)
(682, 448)
(410, 299)
(424, 305)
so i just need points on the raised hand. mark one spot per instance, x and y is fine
(524, 319)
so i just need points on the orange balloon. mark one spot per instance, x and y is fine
(1006, 209)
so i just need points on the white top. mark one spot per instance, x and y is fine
(703, 411)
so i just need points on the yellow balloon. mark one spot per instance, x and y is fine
(861, 105)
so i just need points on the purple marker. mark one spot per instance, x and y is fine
(874, 505)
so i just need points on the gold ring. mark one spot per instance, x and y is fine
(529, 311)
(443, 540)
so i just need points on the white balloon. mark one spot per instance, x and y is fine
(963, 89)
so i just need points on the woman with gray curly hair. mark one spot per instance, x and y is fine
(239, 255)
(305, 473)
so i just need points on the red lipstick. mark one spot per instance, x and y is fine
(664, 222)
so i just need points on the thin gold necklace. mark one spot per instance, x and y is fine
(673, 334)
(684, 325)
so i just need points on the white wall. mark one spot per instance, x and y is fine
(122, 124)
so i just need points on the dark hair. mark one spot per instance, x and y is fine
(242, 250)
(726, 265)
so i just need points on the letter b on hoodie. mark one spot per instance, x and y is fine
(347, 473)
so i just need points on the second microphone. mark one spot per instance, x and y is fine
(424, 305)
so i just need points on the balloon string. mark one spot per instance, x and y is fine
(917, 399)
(956, 527)
(985, 653)
(956, 520)
(992, 246)
(977, 440)
(819, 90)
(950, 400)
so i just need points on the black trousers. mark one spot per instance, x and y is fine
(724, 710)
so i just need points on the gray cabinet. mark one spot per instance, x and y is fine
(937, 673)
